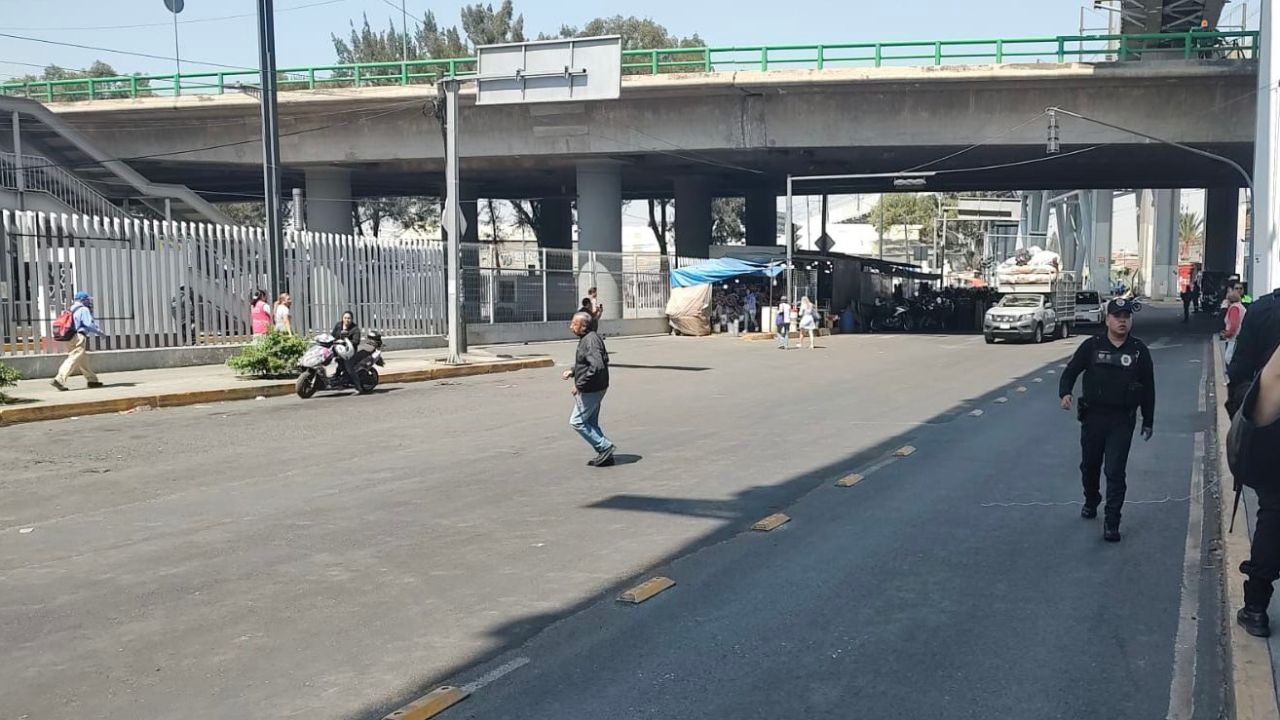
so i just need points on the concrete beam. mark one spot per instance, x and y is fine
(1098, 267)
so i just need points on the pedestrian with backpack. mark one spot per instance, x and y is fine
(75, 325)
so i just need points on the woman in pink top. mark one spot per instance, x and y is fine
(1234, 317)
(260, 314)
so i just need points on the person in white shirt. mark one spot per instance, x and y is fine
(783, 323)
(284, 321)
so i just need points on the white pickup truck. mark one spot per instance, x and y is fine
(1033, 311)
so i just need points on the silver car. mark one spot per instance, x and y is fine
(1089, 307)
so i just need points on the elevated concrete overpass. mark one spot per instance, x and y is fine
(699, 135)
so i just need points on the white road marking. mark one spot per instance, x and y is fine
(1203, 396)
(495, 674)
(975, 413)
(1182, 689)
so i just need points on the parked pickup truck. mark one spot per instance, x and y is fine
(1033, 311)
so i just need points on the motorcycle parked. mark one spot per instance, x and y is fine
(891, 317)
(327, 350)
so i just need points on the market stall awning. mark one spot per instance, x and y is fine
(719, 269)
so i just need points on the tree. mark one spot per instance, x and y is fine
(372, 215)
(1190, 237)
(105, 90)
(727, 218)
(659, 227)
(637, 34)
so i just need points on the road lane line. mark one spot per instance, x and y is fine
(1202, 401)
(495, 674)
(1182, 688)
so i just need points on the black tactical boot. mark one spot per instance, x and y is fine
(1089, 512)
(1254, 621)
(1111, 531)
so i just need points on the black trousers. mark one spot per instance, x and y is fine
(1263, 565)
(1105, 437)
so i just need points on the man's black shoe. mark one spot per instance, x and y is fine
(1088, 513)
(1111, 532)
(1254, 622)
(95, 384)
(604, 459)
(60, 386)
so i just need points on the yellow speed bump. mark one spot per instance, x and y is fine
(904, 451)
(646, 590)
(849, 480)
(430, 705)
(772, 522)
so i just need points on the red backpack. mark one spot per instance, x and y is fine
(64, 326)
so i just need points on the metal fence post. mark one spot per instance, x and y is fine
(546, 277)
(493, 292)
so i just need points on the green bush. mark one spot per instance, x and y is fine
(274, 355)
(8, 377)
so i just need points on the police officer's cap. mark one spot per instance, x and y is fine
(1120, 305)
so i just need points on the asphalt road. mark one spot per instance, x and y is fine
(336, 557)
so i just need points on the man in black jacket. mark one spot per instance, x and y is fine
(590, 376)
(1118, 379)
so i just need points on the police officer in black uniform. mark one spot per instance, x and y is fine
(1118, 379)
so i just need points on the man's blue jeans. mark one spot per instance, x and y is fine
(586, 419)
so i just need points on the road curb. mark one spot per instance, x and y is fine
(1251, 681)
(38, 413)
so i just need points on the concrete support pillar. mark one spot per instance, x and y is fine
(762, 218)
(1098, 261)
(693, 216)
(328, 200)
(556, 240)
(1163, 275)
(1221, 226)
(600, 233)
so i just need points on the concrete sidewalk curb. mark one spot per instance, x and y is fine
(1251, 681)
(37, 413)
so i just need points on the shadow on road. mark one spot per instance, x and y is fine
(740, 511)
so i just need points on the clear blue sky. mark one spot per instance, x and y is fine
(303, 33)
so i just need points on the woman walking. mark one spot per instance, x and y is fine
(259, 315)
(283, 313)
(808, 322)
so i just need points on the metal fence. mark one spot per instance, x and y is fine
(1194, 44)
(169, 284)
(172, 284)
(506, 283)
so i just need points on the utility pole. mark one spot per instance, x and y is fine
(175, 7)
(1262, 271)
(271, 142)
(404, 33)
(452, 224)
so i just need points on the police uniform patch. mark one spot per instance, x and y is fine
(1126, 360)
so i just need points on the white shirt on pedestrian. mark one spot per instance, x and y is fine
(785, 309)
(282, 317)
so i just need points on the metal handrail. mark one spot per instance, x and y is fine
(39, 175)
(1232, 44)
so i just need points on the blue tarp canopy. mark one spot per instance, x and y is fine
(713, 271)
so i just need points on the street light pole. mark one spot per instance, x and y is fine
(404, 33)
(1264, 167)
(452, 226)
(786, 234)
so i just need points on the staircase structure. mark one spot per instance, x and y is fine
(46, 156)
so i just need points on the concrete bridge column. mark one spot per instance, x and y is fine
(762, 218)
(328, 200)
(600, 230)
(1098, 260)
(693, 216)
(1163, 276)
(1221, 225)
(556, 237)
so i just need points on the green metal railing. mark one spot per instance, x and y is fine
(1229, 45)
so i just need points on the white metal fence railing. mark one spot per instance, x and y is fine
(38, 175)
(504, 283)
(173, 284)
